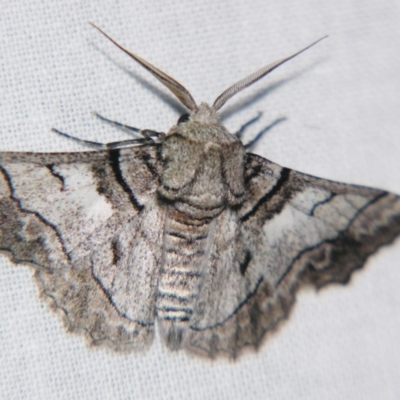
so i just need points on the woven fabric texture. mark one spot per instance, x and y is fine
(341, 100)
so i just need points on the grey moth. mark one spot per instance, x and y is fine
(185, 230)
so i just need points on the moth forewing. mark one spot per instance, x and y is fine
(187, 231)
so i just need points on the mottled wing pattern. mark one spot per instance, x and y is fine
(292, 229)
(76, 217)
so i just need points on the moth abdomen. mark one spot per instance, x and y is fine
(186, 249)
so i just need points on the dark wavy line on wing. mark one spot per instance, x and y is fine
(113, 156)
(285, 174)
(35, 213)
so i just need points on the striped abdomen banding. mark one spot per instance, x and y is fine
(186, 252)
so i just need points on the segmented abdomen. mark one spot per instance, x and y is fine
(186, 252)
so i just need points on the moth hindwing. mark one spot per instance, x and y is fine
(186, 229)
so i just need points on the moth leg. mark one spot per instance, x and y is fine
(262, 132)
(105, 146)
(240, 132)
(144, 132)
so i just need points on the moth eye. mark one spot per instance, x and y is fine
(183, 118)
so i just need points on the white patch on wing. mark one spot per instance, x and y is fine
(295, 229)
(76, 211)
(79, 180)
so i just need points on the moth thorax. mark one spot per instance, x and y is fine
(203, 169)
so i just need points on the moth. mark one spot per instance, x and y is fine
(186, 230)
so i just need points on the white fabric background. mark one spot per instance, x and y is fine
(342, 102)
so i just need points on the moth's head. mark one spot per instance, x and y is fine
(203, 113)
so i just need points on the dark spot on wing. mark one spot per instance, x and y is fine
(243, 265)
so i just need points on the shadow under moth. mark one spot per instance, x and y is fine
(186, 228)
